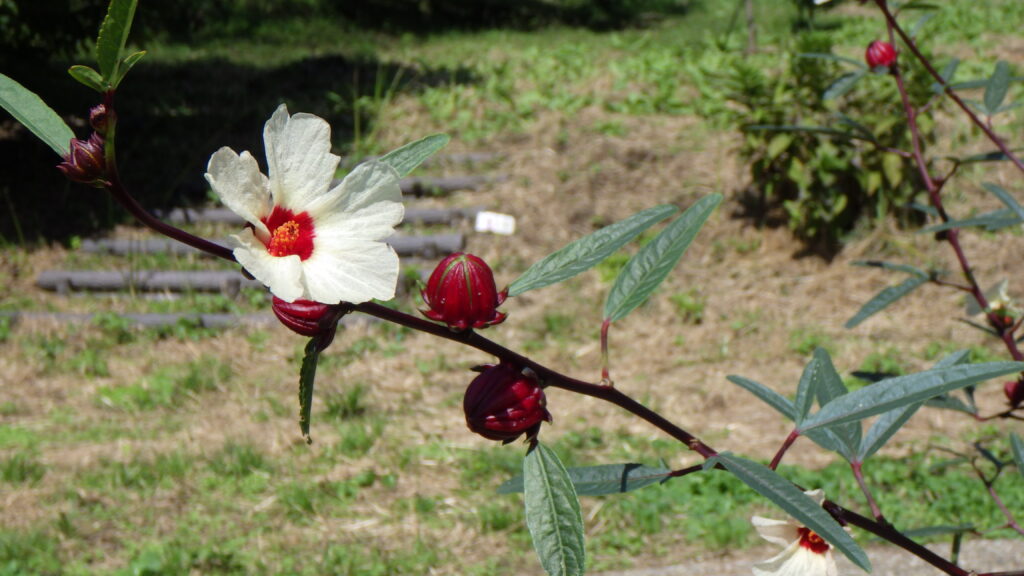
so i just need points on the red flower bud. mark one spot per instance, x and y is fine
(308, 318)
(502, 403)
(1014, 391)
(462, 294)
(85, 162)
(880, 54)
(98, 119)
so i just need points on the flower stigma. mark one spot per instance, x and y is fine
(809, 539)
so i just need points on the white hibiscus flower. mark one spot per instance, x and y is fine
(305, 239)
(805, 553)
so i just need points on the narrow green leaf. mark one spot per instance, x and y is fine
(35, 115)
(307, 375)
(947, 75)
(953, 359)
(890, 266)
(842, 85)
(919, 24)
(793, 501)
(993, 156)
(603, 479)
(950, 402)
(1006, 198)
(989, 220)
(1018, 451)
(113, 36)
(553, 513)
(829, 386)
(588, 251)
(405, 159)
(652, 264)
(831, 58)
(931, 531)
(126, 65)
(805, 390)
(770, 397)
(885, 298)
(905, 390)
(87, 76)
(797, 128)
(861, 129)
(998, 86)
(884, 428)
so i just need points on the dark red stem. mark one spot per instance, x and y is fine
(782, 450)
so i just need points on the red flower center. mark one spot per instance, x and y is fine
(810, 540)
(290, 233)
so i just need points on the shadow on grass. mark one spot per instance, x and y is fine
(171, 119)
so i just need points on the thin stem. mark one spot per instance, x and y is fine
(1010, 520)
(548, 376)
(605, 377)
(859, 475)
(891, 20)
(782, 450)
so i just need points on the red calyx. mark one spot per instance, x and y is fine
(308, 318)
(462, 294)
(502, 403)
(880, 54)
(1014, 391)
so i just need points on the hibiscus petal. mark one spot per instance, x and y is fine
(283, 275)
(354, 270)
(796, 560)
(781, 532)
(375, 222)
(299, 159)
(240, 185)
(366, 184)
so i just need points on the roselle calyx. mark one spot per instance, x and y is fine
(880, 53)
(86, 162)
(461, 293)
(1014, 391)
(308, 318)
(505, 402)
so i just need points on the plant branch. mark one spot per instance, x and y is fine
(782, 450)
(909, 42)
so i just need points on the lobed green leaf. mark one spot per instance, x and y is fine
(405, 159)
(34, 114)
(553, 513)
(113, 36)
(652, 264)
(588, 251)
(903, 391)
(603, 479)
(793, 501)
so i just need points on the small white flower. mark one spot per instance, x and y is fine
(805, 553)
(999, 301)
(305, 239)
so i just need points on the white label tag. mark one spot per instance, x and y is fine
(495, 222)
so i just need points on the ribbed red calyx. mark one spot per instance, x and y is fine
(461, 293)
(880, 54)
(503, 402)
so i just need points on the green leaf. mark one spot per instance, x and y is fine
(827, 387)
(998, 86)
(113, 36)
(603, 479)
(861, 129)
(1018, 451)
(307, 374)
(87, 76)
(904, 390)
(793, 501)
(1006, 198)
(805, 390)
(948, 402)
(947, 75)
(35, 115)
(890, 266)
(883, 429)
(770, 397)
(885, 298)
(797, 128)
(989, 220)
(842, 85)
(831, 58)
(932, 531)
(553, 513)
(126, 65)
(588, 251)
(652, 264)
(405, 159)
